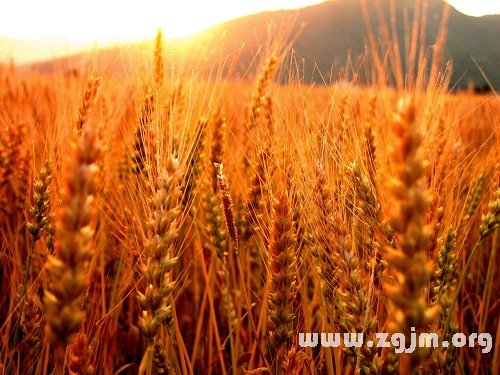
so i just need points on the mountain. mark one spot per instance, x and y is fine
(330, 34)
(334, 30)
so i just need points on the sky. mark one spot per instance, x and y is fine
(66, 26)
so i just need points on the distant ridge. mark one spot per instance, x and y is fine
(330, 33)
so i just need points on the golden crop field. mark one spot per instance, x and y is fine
(169, 224)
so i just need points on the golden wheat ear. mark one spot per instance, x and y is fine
(80, 355)
(73, 248)
(163, 229)
(408, 261)
(88, 102)
(227, 206)
(158, 59)
(282, 279)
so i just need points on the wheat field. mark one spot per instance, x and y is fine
(175, 224)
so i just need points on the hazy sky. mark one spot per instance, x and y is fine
(67, 24)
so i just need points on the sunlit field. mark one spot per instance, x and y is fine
(177, 220)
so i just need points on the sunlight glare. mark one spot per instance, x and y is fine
(34, 29)
(477, 7)
(112, 21)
